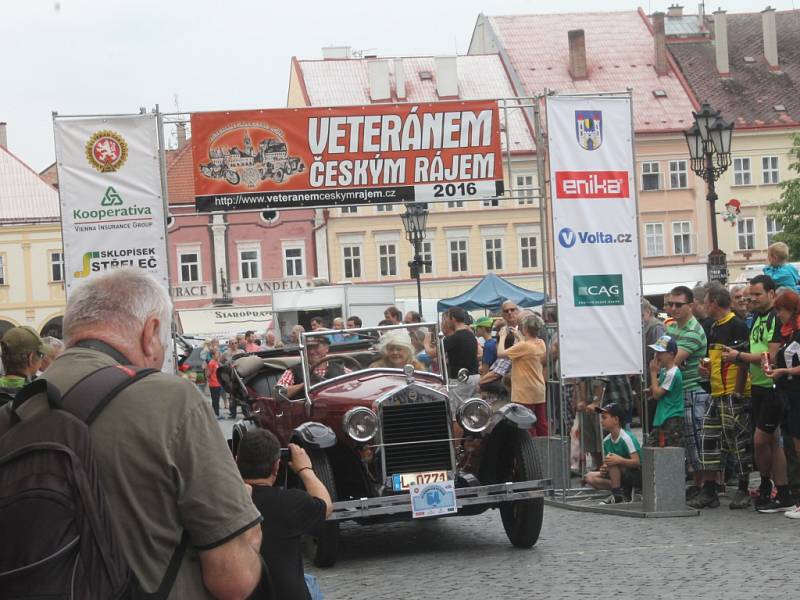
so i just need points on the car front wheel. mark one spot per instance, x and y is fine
(522, 519)
(322, 544)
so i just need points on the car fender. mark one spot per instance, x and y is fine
(239, 429)
(513, 414)
(313, 435)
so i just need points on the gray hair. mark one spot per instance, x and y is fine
(532, 324)
(647, 306)
(121, 300)
(737, 288)
(56, 344)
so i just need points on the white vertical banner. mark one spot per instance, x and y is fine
(112, 209)
(595, 234)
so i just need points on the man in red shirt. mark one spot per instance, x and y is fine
(214, 385)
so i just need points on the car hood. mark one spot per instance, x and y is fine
(364, 387)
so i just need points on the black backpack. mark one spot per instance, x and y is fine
(57, 537)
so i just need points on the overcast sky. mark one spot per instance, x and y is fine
(113, 56)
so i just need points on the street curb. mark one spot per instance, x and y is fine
(632, 509)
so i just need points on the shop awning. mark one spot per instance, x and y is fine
(224, 321)
(657, 281)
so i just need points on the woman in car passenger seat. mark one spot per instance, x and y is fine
(396, 351)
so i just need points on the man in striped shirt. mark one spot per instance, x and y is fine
(691, 340)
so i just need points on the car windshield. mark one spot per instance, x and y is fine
(331, 353)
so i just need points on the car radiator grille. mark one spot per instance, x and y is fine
(421, 432)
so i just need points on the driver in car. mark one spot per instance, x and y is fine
(317, 348)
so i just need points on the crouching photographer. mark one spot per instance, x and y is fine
(288, 513)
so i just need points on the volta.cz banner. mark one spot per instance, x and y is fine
(595, 235)
(352, 155)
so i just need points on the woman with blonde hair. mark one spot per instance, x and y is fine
(396, 351)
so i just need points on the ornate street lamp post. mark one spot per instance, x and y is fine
(709, 142)
(414, 220)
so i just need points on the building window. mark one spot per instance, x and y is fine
(654, 238)
(746, 234)
(524, 189)
(682, 237)
(249, 261)
(492, 202)
(651, 177)
(458, 256)
(427, 255)
(56, 266)
(2, 269)
(769, 170)
(383, 208)
(529, 252)
(456, 204)
(349, 210)
(773, 229)
(494, 253)
(352, 261)
(189, 266)
(677, 175)
(294, 261)
(387, 259)
(741, 171)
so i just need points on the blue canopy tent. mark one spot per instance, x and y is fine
(489, 293)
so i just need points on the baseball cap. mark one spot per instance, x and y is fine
(487, 322)
(24, 340)
(613, 409)
(318, 339)
(665, 344)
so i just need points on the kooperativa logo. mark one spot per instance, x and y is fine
(598, 290)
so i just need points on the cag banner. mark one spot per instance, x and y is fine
(349, 155)
(595, 234)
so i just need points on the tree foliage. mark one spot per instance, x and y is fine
(787, 211)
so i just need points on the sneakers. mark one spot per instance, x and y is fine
(793, 513)
(692, 492)
(779, 504)
(740, 499)
(707, 498)
(764, 495)
(612, 499)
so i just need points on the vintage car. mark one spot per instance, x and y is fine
(372, 433)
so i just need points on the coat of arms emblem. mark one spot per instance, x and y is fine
(106, 151)
(589, 128)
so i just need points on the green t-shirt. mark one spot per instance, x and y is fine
(12, 382)
(765, 330)
(691, 338)
(626, 445)
(670, 404)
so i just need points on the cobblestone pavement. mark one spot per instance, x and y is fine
(720, 554)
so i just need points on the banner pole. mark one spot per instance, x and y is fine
(162, 167)
(60, 216)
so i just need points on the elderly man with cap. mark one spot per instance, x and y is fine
(22, 351)
(317, 349)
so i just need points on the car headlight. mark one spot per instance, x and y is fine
(360, 423)
(474, 415)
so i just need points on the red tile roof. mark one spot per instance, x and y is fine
(345, 82)
(619, 54)
(24, 196)
(749, 96)
(180, 180)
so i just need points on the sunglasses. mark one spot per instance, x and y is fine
(676, 304)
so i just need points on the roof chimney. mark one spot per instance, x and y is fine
(333, 52)
(577, 54)
(180, 129)
(721, 42)
(660, 43)
(3, 135)
(675, 10)
(378, 74)
(399, 79)
(446, 76)
(701, 15)
(770, 38)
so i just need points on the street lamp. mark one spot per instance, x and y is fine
(414, 220)
(709, 141)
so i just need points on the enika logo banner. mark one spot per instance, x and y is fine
(289, 158)
(598, 290)
(591, 184)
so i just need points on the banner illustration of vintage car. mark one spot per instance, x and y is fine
(293, 158)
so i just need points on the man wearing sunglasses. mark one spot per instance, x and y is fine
(22, 352)
(690, 337)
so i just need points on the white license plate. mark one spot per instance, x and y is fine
(405, 480)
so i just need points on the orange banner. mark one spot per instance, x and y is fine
(311, 157)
